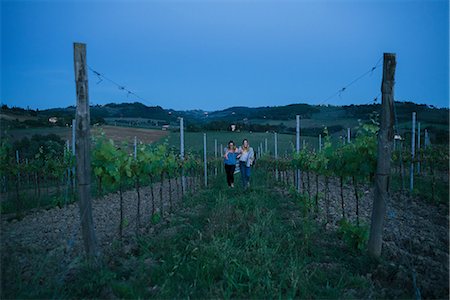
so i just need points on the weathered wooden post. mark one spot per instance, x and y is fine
(382, 176)
(83, 151)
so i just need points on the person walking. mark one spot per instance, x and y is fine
(230, 157)
(246, 157)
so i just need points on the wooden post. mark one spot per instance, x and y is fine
(205, 160)
(427, 139)
(348, 135)
(215, 148)
(382, 176)
(426, 142)
(276, 156)
(74, 125)
(183, 178)
(413, 150)
(135, 148)
(18, 204)
(265, 146)
(67, 152)
(18, 163)
(418, 146)
(215, 156)
(402, 166)
(320, 142)
(83, 150)
(297, 182)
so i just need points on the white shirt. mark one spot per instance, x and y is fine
(246, 156)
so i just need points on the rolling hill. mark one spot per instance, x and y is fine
(259, 119)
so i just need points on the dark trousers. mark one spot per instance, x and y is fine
(245, 173)
(229, 169)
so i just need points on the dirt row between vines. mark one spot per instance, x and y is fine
(415, 238)
(44, 236)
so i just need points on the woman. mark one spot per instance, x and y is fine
(246, 157)
(230, 162)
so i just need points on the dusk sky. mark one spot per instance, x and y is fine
(216, 54)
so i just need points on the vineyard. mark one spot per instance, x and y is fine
(140, 196)
(358, 216)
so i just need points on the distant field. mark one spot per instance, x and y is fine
(20, 118)
(118, 134)
(194, 141)
(307, 123)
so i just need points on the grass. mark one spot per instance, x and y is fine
(222, 243)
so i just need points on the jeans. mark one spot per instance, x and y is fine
(245, 173)
(229, 169)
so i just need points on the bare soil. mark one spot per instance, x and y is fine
(415, 253)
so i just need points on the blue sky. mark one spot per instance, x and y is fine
(216, 54)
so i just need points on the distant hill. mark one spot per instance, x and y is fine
(285, 112)
(269, 118)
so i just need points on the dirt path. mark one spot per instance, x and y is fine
(57, 232)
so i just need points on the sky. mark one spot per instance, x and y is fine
(212, 55)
